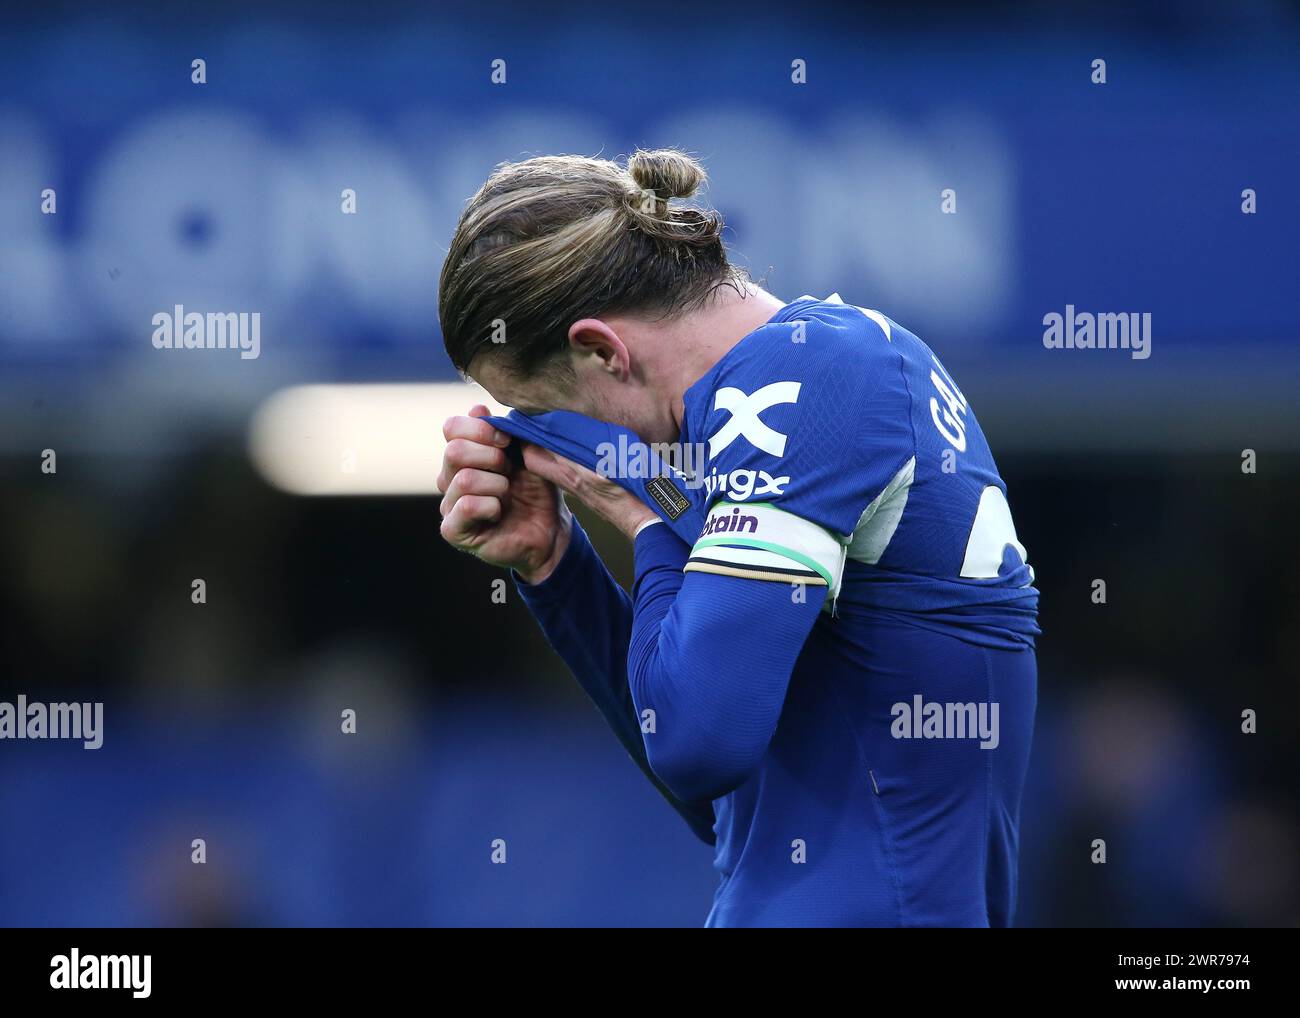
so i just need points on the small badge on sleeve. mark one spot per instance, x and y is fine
(668, 496)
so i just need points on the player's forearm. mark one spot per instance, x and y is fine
(587, 618)
(711, 656)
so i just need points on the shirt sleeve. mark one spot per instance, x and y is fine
(710, 658)
(799, 450)
(587, 618)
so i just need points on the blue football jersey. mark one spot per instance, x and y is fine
(838, 451)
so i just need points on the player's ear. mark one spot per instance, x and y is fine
(594, 344)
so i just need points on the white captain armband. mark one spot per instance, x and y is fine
(761, 542)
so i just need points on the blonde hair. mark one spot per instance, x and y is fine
(551, 240)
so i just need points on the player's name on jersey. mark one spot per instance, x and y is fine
(1083, 330)
(32, 719)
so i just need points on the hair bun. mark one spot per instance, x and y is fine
(552, 240)
(668, 172)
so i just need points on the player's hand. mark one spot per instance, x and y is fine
(496, 510)
(617, 505)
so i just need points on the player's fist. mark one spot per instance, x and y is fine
(496, 509)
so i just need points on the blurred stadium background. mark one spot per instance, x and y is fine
(222, 720)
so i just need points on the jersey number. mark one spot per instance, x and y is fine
(991, 532)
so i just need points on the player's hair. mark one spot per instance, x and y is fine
(552, 240)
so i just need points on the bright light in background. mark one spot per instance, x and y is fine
(358, 439)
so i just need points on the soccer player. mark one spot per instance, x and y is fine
(833, 677)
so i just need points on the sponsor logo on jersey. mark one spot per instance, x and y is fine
(738, 485)
(744, 423)
(730, 523)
